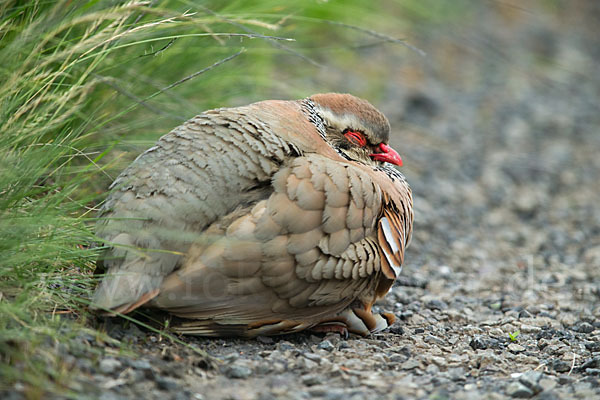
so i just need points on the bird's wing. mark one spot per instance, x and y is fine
(307, 252)
(195, 175)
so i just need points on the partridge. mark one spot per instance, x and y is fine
(264, 219)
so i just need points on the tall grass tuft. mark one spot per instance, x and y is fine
(82, 84)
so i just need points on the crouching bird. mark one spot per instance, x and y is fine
(264, 219)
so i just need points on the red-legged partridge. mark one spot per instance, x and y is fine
(258, 220)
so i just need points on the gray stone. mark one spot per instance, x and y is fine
(109, 365)
(456, 373)
(434, 340)
(140, 364)
(312, 379)
(531, 379)
(326, 345)
(518, 390)
(516, 348)
(584, 327)
(313, 357)
(561, 366)
(166, 383)
(238, 371)
(410, 364)
(265, 339)
(530, 329)
(284, 345)
(593, 371)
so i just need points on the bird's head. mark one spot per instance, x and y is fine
(355, 128)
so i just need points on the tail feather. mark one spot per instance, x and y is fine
(133, 278)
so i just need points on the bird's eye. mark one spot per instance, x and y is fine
(355, 137)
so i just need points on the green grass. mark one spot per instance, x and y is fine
(85, 86)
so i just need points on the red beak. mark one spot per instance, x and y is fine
(386, 154)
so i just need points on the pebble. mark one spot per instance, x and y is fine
(140, 364)
(593, 346)
(561, 366)
(238, 371)
(516, 348)
(518, 390)
(530, 329)
(265, 339)
(436, 305)
(326, 345)
(109, 365)
(313, 357)
(434, 340)
(547, 384)
(590, 363)
(312, 379)
(583, 327)
(285, 345)
(410, 364)
(457, 373)
(166, 383)
(531, 379)
(593, 371)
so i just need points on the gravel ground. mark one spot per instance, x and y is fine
(500, 294)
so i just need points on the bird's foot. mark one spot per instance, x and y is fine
(331, 327)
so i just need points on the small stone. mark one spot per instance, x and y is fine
(284, 345)
(109, 365)
(107, 396)
(85, 364)
(432, 369)
(530, 329)
(231, 357)
(568, 319)
(343, 345)
(306, 364)
(592, 371)
(483, 343)
(238, 372)
(265, 339)
(166, 383)
(593, 346)
(140, 364)
(406, 315)
(439, 361)
(326, 345)
(478, 343)
(518, 390)
(583, 327)
(561, 366)
(313, 357)
(531, 380)
(516, 348)
(456, 373)
(410, 364)
(436, 305)
(312, 379)
(524, 314)
(434, 340)
(397, 358)
(396, 329)
(547, 384)
(334, 394)
(591, 363)
(496, 332)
